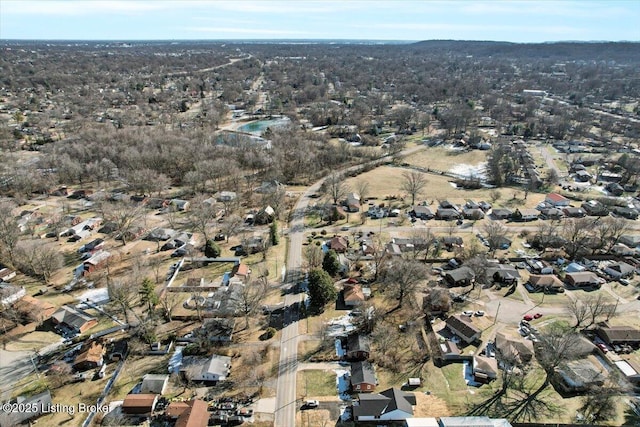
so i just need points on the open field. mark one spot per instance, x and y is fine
(33, 341)
(312, 384)
(445, 158)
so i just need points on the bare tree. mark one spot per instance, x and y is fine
(496, 233)
(124, 215)
(249, 298)
(37, 259)
(576, 233)
(413, 183)
(314, 256)
(168, 302)
(9, 232)
(335, 187)
(124, 295)
(362, 187)
(588, 310)
(403, 279)
(201, 215)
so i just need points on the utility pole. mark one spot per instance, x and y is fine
(497, 311)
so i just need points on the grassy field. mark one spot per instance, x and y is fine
(313, 384)
(33, 341)
(442, 158)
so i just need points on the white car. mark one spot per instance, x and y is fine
(311, 403)
(479, 313)
(467, 313)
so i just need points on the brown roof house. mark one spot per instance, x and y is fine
(339, 244)
(547, 283)
(139, 404)
(193, 415)
(90, 357)
(463, 328)
(34, 309)
(513, 351)
(585, 279)
(619, 335)
(485, 369)
(353, 295)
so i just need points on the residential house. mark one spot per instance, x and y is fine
(339, 244)
(471, 422)
(357, 347)
(226, 196)
(97, 261)
(462, 276)
(525, 214)
(10, 294)
(34, 309)
(352, 202)
(363, 377)
(537, 266)
(194, 415)
(485, 369)
(624, 212)
(38, 404)
(160, 234)
(551, 213)
(473, 213)
(446, 214)
(579, 375)
(209, 369)
(90, 357)
(547, 283)
(390, 405)
(451, 242)
(585, 279)
(218, 329)
(139, 404)
(449, 351)
(118, 350)
(6, 274)
(445, 204)
(463, 328)
(501, 213)
(353, 295)
(180, 205)
(614, 189)
(557, 200)
(571, 212)
(631, 240)
(594, 208)
(470, 204)
(265, 215)
(156, 203)
(502, 273)
(512, 350)
(583, 176)
(619, 270)
(422, 212)
(154, 383)
(485, 206)
(241, 271)
(619, 335)
(71, 318)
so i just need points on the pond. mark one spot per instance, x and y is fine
(260, 126)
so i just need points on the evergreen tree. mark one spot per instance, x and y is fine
(148, 295)
(211, 249)
(273, 234)
(331, 263)
(321, 290)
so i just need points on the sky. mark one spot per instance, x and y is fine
(508, 20)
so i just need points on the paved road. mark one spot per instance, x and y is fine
(286, 404)
(14, 365)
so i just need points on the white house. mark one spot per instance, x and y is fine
(557, 200)
(215, 368)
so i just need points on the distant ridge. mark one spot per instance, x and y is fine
(565, 50)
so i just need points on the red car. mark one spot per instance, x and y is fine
(537, 315)
(602, 347)
(528, 317)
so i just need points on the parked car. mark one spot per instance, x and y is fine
(528, 317)
(479, 313)
(311, 403)
(467, 313)
(537, 315)
(603, 347)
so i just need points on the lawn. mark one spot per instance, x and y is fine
(33, 341)
(316, 383)
(443, 158)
